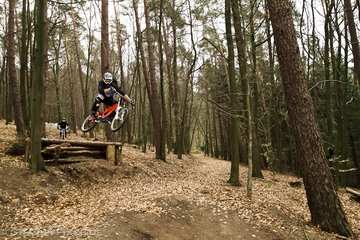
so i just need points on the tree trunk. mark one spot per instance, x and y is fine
(105, 45)
(3, 88)
(234, 124)
(254, 107)
(175, 86)
(23, 65)
(70, 73)
(8, 104)
(149, 76)
(324, 204)
(162, 91)
(329, 100)
(155, 103)
(274, 150)
(170, 90)
(56, 73)
(354, 39)
(14, 90)
(37, 163)
(241, 49)
(105, 50)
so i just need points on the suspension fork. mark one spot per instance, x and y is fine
(118, 109)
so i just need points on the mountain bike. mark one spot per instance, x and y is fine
(115, 115)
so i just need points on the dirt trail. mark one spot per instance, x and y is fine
(144, 199)
(178, 213)
(148, 199)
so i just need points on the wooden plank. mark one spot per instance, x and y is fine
(69, 149)
(111, 153)
(63, 154)
(47, 142)
(353, 191)
(56, 148)
(66, 160)
(118, 156)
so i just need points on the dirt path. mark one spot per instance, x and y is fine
(149, 199)
(179, 210)
(145, 199)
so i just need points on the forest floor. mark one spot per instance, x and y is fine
(148, 199)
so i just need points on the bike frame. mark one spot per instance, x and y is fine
(107, 111)
(102, 116)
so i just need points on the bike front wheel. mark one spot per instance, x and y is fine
(88, 124)
(119, 119)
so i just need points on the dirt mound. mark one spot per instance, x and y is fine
(185, 220)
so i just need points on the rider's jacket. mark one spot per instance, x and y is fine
(102, 86)
(62, 125)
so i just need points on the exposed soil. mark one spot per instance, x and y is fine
(185, 221)
(148, 199)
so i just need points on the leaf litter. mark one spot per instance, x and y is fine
(57, 203)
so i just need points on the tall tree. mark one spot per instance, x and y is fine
(13, 82)
(149, 77)
(255, 136)
(244, 83)
(24, 63)
(162, 91)
(37, 163)
(324, 204)
(329, 100)
(175, 87)
(353, 36)
(234, 124)
(105, 49)
(105, 45)
(156, 111)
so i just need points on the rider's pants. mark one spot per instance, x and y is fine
(108, 101)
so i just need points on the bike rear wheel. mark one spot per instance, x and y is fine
(88, 124)
(119, 119)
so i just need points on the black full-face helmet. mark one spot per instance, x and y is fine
(108, 78)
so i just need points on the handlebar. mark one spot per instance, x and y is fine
(121, 95)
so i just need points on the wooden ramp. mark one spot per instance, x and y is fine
(57, 148)
(355, 193)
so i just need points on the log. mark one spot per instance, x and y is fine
(355, 193)
(113, 153)
(56, 154)
(90, 153)
(56, 148)
(119, 156)
(65, 161)
(47, 142)
(69, 149)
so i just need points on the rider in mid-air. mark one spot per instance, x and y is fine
(106, 88)
(63, 125)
